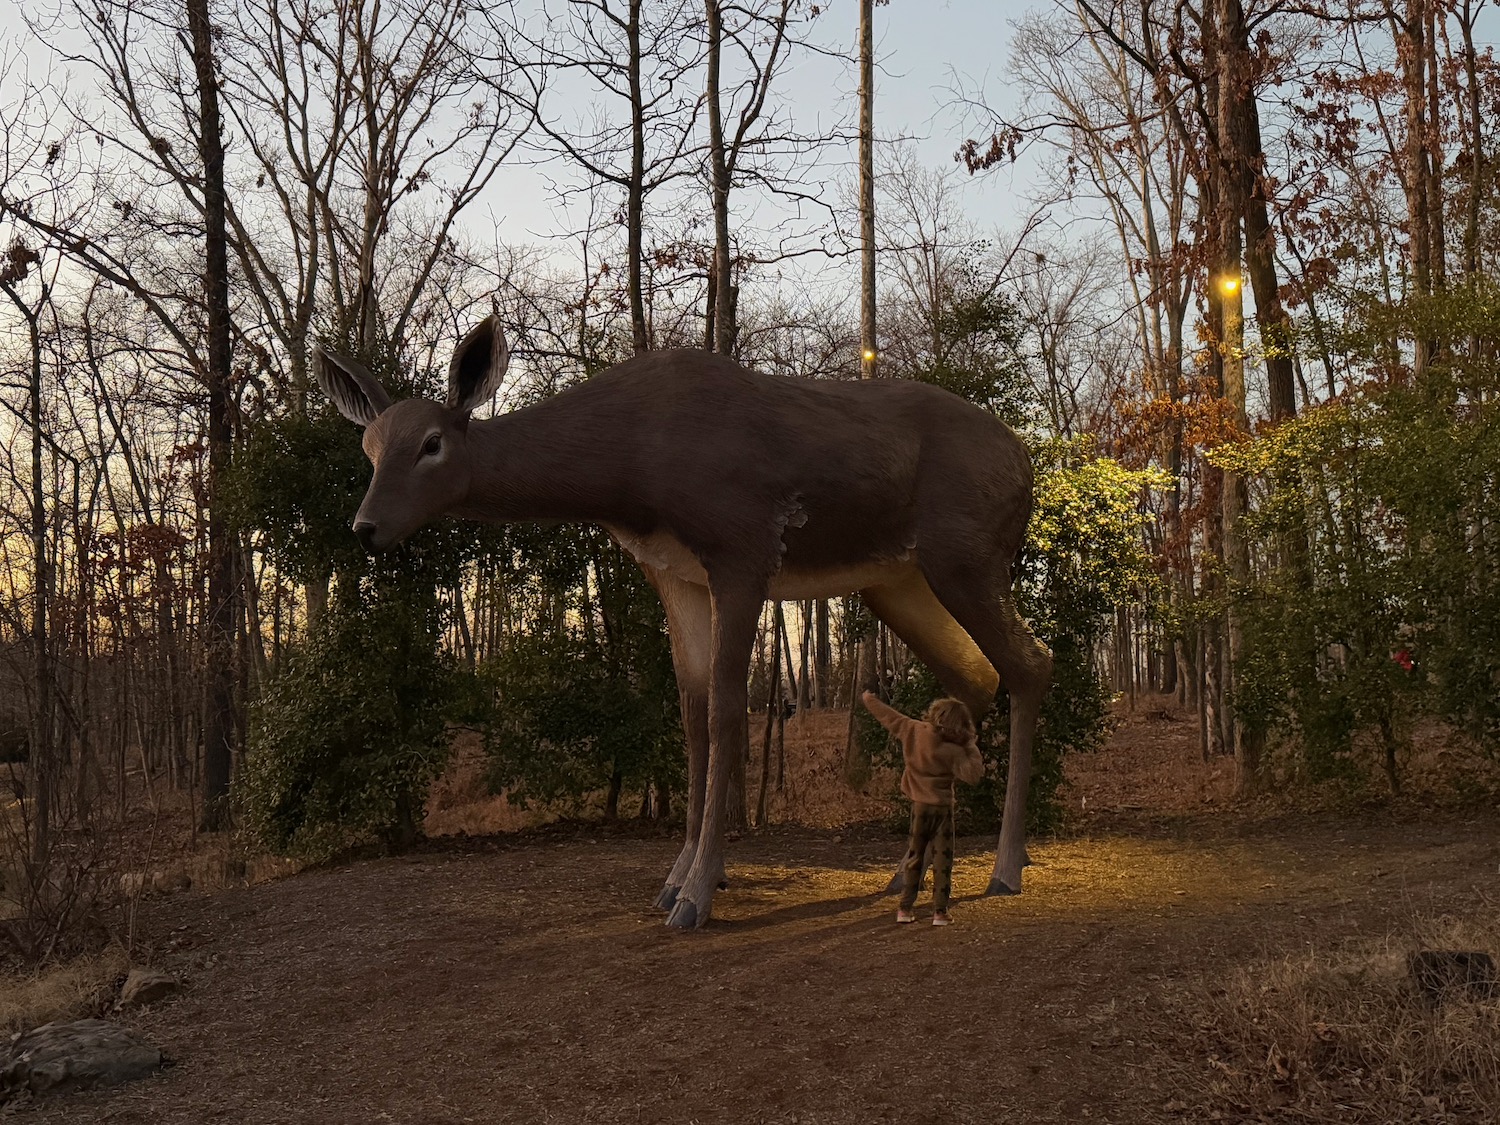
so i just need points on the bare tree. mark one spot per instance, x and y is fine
(640, 55)
(760, 32)
(868, 347)
(223, 609)
(22, 264)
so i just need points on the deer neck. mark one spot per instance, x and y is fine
(538, 464)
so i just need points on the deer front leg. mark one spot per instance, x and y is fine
(689, 624)
(735, 612)
(695, 730)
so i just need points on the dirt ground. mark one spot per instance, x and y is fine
(524, 978)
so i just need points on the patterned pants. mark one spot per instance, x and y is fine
(930, 824)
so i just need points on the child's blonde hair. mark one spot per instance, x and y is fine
(952, 719)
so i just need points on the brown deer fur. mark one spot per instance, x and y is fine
(729, 487)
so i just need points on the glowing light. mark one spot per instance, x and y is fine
(869, 354)
(1229, 285)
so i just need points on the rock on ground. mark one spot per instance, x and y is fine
(146, 986)
(76, 1055)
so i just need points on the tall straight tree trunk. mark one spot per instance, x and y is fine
(1410, 34)
(721, 333)
(804, 685)
(43, 754)
(856, 760)
(1234, 88)
(1260, 263)
(823, 654)
(635, 193)
(1432, 143)
(773, 713)
(786, 642)
(219, 646)
(1178, 553)
(869, 355)
(1474, 142)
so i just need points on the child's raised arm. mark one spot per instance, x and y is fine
(893, 720)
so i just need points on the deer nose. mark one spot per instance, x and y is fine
(365, 533)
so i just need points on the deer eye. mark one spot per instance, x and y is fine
(432, 445)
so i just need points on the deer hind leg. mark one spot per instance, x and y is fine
(689, 622)
(914, 614)
(979, 598)
(737, 603)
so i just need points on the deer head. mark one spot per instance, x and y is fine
(419, 448)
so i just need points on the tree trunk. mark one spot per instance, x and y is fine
(721, 308)
(1410, 35)
(1260, 244)
(635, 194)
(773, 709)
(612, 797)
(43, 757)
(823, 660)
(1211, 563)
(856, 760)
(1474, 142)
(1234, 89)
(804, 686)
(219, 646)
(869, 355)
(786, 642)
(1270, 315)
(1432, 141)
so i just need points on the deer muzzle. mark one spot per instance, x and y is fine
(364, 531)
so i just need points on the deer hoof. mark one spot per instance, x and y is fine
(684, 915)
(999, 886)
(668, 897)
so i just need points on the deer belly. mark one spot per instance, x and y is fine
(791, 584)
(661, 551)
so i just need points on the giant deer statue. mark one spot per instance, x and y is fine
(729, 487)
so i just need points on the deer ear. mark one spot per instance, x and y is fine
(357, 394)
(478, 366)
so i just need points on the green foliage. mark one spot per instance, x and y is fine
(1084, 554)
(298, 480)
(979, 332)
(1378, 602)
(353, 728)
(587, 693)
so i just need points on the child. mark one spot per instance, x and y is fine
(939, 749)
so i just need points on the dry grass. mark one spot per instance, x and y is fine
(812, 792)
(1152, 765)
(80, 987)
(461, 804)
(1345, 1037)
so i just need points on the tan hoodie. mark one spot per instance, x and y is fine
(933, 763)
